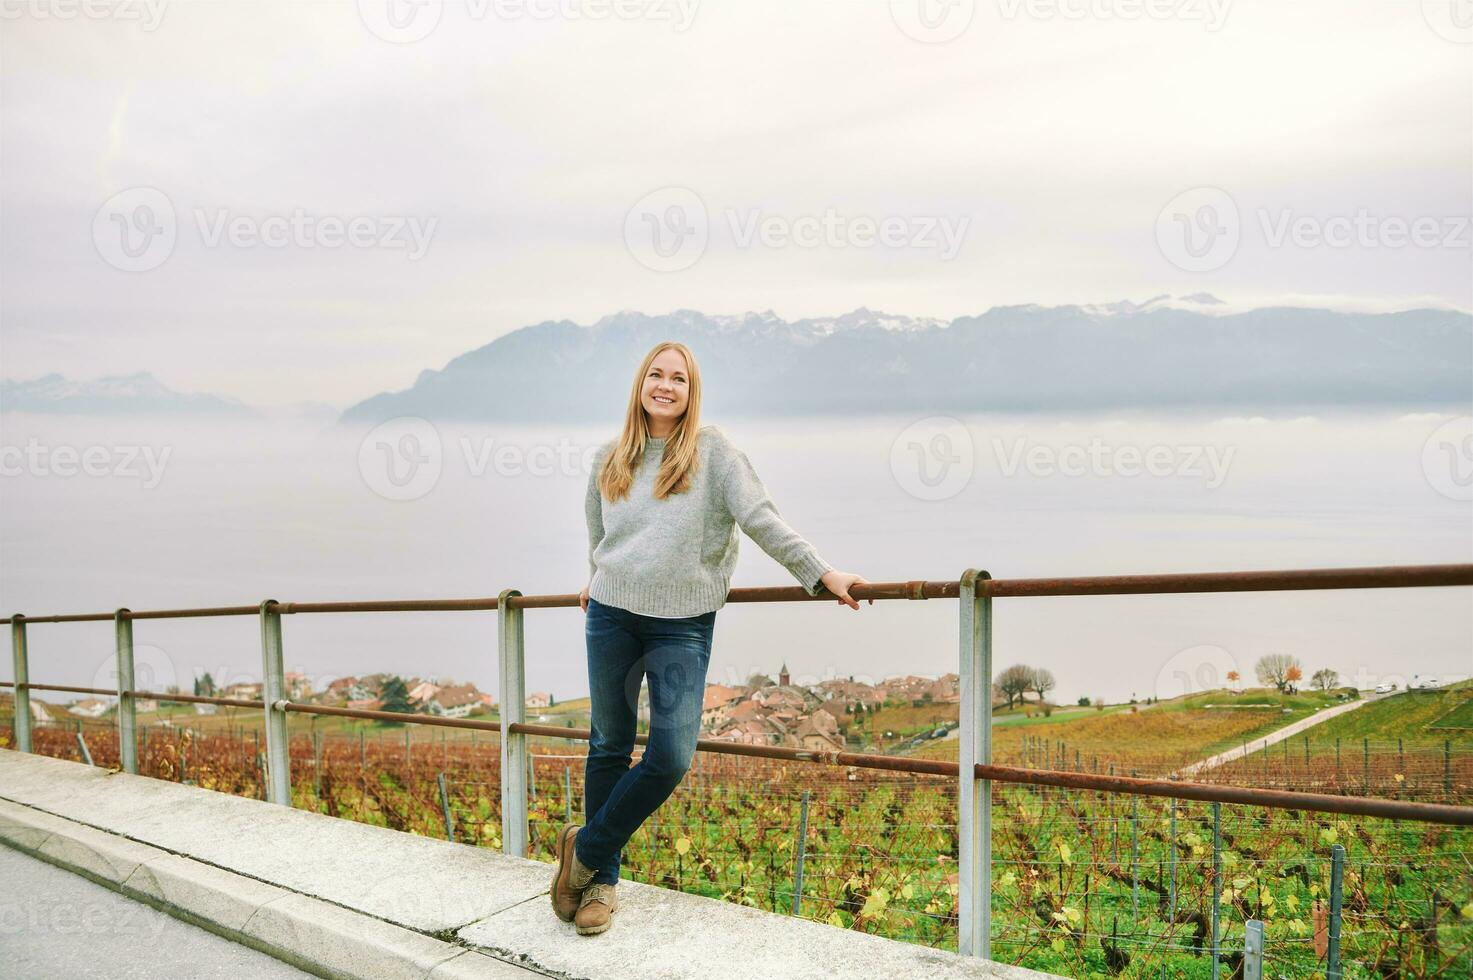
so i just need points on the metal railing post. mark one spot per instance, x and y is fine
(1447, 769)
(1135, 854)
(278, 756)
(1253, 950)
(1172, 893)
(1216, 888)
(1337, 876)
(21, 664)
(974, 796)
(800, 845)
(127, 709)
(82, 749)
(445, 806)
(511, 663)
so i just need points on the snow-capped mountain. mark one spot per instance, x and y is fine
(1183, 351)
(132, 394)
(141, 393)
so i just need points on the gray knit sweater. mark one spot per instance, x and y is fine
(673, 558)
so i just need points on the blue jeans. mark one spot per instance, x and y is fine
(624, 648)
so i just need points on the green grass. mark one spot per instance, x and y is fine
(1410, 715)
(1059, 715)
(1276, 710)
(1460, 717)
(1301, 702)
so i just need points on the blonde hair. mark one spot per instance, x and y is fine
(682, 456)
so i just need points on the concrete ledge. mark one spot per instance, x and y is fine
(342, 899)
(314, 935)
(417, 882)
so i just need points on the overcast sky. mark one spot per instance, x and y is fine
(509, 167)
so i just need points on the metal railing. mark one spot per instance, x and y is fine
(974, 591)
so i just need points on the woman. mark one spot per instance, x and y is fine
(664, 503)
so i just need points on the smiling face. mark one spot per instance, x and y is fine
(665, 392)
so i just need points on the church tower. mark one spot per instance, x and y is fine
(782, 677)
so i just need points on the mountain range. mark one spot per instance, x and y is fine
(139, 393)
(1024, 358)
(1179, 353)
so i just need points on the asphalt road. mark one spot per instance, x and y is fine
(57, 924)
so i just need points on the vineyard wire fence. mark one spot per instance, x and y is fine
(1085, 882)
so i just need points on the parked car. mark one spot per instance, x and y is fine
(1383, 688)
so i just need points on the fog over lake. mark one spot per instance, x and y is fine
(190, 513)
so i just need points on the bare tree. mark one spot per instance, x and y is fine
(1041, 681)
(1274, 669)
(1015, 682)
(1325, 678)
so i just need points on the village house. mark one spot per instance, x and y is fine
(776, 698)
(743, 711)
(245, 691)
(756, 731)
(90, 708)
(849, 693)
(812, 736)
(946, 689)
(539, 699)
(298, 687)
(718, 701)
(423, 691)
(824, 722)
(346, 689)
(831, 709)
(372, 684)
(454, 702)
(909, 688)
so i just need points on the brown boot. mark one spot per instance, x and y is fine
(596, 908)
(571, 876)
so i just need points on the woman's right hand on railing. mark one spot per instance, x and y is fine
(583, 598)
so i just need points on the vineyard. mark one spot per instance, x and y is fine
(1084, 883)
